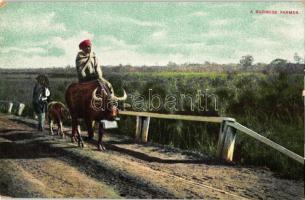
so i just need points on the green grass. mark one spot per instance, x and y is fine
(187, 75)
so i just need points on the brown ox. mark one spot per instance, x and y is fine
(91, 101)
(57, 112)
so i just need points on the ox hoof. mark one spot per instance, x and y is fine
(73, 139)
(101, 148)
(81, 145)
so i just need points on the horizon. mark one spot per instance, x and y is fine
(147, 33)
(148, 66)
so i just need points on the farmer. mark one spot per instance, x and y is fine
(41, 97)
(87, 65)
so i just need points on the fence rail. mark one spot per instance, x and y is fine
(178, 117)
(266, 141)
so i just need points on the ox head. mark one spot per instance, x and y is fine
(65, 112)
(107, 102)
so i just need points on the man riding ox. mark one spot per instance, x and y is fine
(87, 65)
(93, 98)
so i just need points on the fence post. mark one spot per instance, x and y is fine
(220, 139)
(20, 109)
(145, 128)
(138, 128)
(142, 127)
(226, 142)
(10, 107)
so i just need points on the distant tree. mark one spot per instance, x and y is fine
(278, 65)
(246, 61)
(171, 64)
(297, 59)
(278, 62)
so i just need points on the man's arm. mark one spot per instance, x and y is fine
(100, 76)
(98, 69)
(79, 67)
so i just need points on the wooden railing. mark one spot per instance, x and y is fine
(227, 133)
(12, 107)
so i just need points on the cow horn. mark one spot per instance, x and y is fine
(115, 98)
(96, 98)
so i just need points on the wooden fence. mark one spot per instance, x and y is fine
(12, 107)
(227, 133)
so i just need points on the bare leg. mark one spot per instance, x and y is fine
(101, 132)
(40, 121)
(43, 118)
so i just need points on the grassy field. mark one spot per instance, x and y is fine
(187, 75)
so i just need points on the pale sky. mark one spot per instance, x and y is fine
(147, 33)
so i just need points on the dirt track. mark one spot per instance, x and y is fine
(38, 165)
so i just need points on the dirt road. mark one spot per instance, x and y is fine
(35, 164)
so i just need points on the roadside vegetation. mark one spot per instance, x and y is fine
(264, 97)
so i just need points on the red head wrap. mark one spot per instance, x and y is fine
(84, 44)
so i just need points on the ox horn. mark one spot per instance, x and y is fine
(96, 98)
(115, 98)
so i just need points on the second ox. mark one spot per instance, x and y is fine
(57, 112)
(91, 101)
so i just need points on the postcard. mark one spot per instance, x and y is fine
(152, 99)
